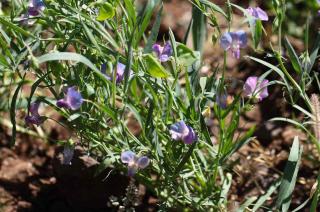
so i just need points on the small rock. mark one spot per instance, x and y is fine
(16, 170)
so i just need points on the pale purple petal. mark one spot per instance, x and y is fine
(250, 85)
(34, 107)
(236, 53)
(191, 137)
(221, 100)
(143, 162)
(157, 49)
(35, 7)
(226, 41)
(34, 118)
(74, 98)
(242, 38)
(262, 15)
(63, 103)
(163, 53)
(263, 91)
(167, 49)
(128, 157)
(254, 88)
(164, 58)
(120, 72)
(132, 170)
(178, 130)
(37, 120)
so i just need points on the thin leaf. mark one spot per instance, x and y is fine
(290, 176)
(13, 113)
(293, 57)
(154, 32)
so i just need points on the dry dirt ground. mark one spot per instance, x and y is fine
(33, 179)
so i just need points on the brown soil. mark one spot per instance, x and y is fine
(33, 179)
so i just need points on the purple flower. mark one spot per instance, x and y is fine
(134, 162)
(35, 7)
(68, 152)
(72, 100)
(224, 100)
(221, 100)
(253, 87)
(163, 52)
(181, 132)
(258, 13)
(119, 72)
(233, 41)
(34, 118)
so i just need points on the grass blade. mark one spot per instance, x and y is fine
(290, 176)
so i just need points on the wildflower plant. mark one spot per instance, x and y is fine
(103, 70)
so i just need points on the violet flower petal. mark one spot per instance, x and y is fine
(127, 156)
(34, 118)
(258, 13)
(191, 137)
(63, 103)
(143, 162)
(167, 49)
(35, 7)
(240, 37)
(120, 72)
(132, 170)
(178, 130)
(261, 14)
(74, 98)
(226, 41)
(157, 49)
(254, 88)
(163, 53)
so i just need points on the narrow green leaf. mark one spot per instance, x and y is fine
(155, 69)
(91, 37)
(290, 176)
(264, 197)
(66, 56)
(246, 204)
(13, 113)
(214, 7)
(242, 141)
(15, 27)
(131, 10)
(154, 32)
(257, 32)
(293, 57)
(314, 53)
(199, 29)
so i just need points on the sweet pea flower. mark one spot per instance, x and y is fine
(224, 100)
(35, 7)
(134, 162)
(163, 52)
(72, 100)
(34, 118)
(221, 100)
(255, 88)
(68, 152)
(258, 13)
(233, 41)
(181, 132)
(119, 72)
